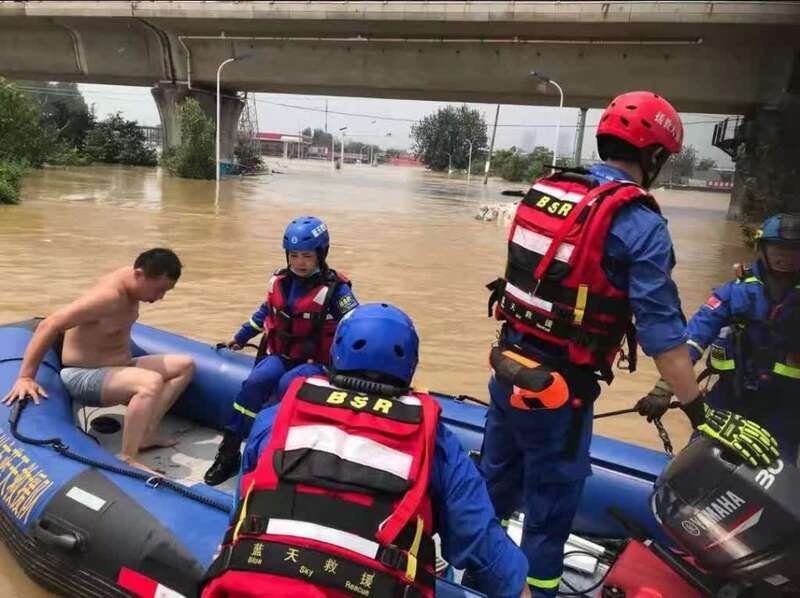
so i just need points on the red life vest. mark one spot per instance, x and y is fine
(307, 332)
(338, 503)
(555, 287)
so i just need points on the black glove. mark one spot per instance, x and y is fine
(656, 402)
(746, 438)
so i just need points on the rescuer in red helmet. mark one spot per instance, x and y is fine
(589, 264)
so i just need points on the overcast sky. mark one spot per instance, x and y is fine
(371, 119)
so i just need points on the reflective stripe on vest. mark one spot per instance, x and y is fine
(528, 298)
(539, 243)
(787, 370)
(569, 196)
(321, 533)
(350, 447)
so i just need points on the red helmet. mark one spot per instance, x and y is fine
(643, 118)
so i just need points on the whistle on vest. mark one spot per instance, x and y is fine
(534, 385)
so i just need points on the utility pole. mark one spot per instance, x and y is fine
(491, 146)
(579, 137)
(326, 115)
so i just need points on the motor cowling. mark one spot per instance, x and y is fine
(740, 523)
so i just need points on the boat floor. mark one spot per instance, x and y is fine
(187, 461)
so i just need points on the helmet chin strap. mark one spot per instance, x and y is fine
(651, 163)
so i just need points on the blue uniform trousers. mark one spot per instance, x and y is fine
(526, 466)
(271, 374)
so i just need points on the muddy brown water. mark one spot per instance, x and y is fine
(402, 235)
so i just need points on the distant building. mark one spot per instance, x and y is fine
(404, 160)
(319, 152)
(284, 145)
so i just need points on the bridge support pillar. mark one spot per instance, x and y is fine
(768, 161)
(170, 96)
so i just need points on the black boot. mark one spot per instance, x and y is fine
(226, 463)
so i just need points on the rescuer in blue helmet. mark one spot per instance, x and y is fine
(298, 317)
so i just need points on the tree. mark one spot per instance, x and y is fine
(11, 174)
(516, 166)
(64, 111)
(393, 152)
(118, 141)
(682, 165)
(440, 139)
(706, 164)
(194, 157)
(23, 139)
(319, 137)
(248, 153)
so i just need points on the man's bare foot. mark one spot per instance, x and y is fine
(134, 463)
(156, 442)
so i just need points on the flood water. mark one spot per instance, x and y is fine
(401, 235)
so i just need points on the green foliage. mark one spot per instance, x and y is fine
(356, 147)
(11, 174)
(63, 111)
(118, 141)
(319, 137)
(680, 166)
(440, 139)
(706, 164)
(194, 157)
(516, 166)
(64, 155)
(248, 154)
(22, 136)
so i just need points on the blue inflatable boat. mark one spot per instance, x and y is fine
(81, 523)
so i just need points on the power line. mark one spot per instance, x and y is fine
(416, 120)
(65, 92)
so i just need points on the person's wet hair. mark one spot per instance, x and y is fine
(159, 262)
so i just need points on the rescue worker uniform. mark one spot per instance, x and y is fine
(369, 480)
(300, 317)
(754, 348)
(539, 458)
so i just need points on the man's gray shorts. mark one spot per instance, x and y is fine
(84, 384)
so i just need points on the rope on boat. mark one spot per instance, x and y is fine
(152, 481)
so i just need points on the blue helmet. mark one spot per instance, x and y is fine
(307, 234)
(780, 228)
(376, 337)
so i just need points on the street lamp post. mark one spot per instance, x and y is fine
(219, 112)
(469, 162)
(219, 106)
(370, 147)
(545, 79)
(342, 130)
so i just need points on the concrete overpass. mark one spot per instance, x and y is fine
(723, 57)
(706, 56)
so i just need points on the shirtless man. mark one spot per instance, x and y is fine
(97, 366)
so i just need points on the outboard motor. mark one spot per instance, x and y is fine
(741, 524)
